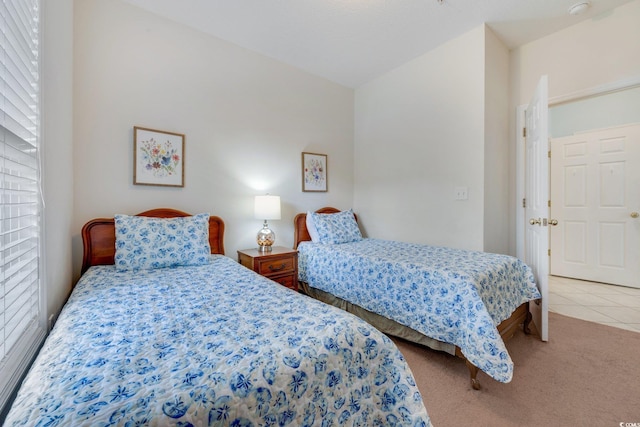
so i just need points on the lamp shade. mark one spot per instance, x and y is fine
(267, 207)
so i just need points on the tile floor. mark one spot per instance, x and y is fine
(611, 305)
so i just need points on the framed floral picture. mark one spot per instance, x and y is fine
(158, 157)
(314, 172)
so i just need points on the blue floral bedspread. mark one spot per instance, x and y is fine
(212, 345)
(455, 296)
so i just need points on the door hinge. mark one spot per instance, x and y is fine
(549, 252)
(524, 202)
(524, 132)
(549, 153)
(549, 203)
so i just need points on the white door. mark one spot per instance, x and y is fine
(536, 201)
(595, 195)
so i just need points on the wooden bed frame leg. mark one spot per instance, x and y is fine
(525, 325)
(473, 372)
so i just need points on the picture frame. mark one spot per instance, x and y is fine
(158, 157)
(314, 172)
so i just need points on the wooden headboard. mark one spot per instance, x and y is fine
(300, 232)
(99, 236)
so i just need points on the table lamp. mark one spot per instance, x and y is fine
(266, 208)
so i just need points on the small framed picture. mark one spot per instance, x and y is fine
(314, 172)
(158, 157)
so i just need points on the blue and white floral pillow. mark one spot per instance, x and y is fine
(147, 243)
(336, 228)
(311, 228)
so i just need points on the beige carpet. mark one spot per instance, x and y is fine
(585, 375)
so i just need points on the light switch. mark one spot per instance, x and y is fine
(462, 193)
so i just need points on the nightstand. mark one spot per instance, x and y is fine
(279, 265)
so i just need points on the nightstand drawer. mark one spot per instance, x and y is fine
(271, 266)
(290, 281)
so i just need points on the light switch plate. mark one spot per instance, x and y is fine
(462, 193)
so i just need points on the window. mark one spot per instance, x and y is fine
(22, 325)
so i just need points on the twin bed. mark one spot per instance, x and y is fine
(162, 329)
(466, 303)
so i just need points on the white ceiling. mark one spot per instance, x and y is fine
(353, 41)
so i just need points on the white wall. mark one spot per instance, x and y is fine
(246, 118)
(587, 55)
(602, 50)
(420, 130)
(57, 141)
(496, 145)
(607, 110)
(419, 133)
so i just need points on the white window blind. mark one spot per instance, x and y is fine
(22, 324)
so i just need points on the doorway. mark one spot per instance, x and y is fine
(595, 225)
(582, 247)
(575, 112)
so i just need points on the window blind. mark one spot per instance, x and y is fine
(22, 324)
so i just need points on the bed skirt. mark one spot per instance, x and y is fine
(383, 324)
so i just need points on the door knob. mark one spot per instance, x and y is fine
(635, 214)
(553, 221)
(534, 221)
